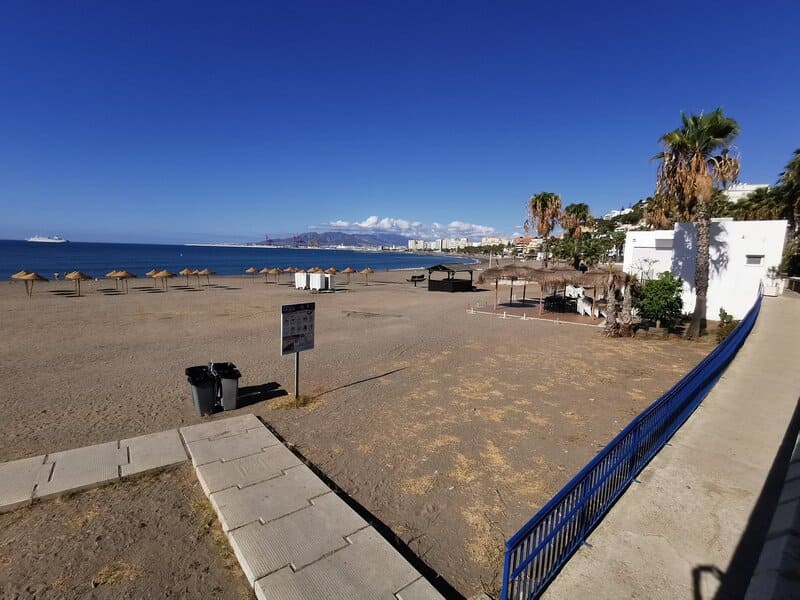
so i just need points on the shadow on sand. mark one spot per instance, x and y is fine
(252, 394)
(439, 582)
(347, 385)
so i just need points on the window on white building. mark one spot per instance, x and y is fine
(754, 259)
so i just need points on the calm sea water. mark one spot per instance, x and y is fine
(98, 259)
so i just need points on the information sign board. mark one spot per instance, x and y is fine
(297, 327)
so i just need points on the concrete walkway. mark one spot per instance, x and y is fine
(50, 475)
(294, 538)
(674, 534)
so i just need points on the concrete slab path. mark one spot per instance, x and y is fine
(292, 535)
(673, 535)
(46, 476)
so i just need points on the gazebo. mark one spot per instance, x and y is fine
(451, 283)
(550, 281)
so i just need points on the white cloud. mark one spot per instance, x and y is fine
(368, 222)
(410, 229)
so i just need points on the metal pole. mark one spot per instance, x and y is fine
(296, 376)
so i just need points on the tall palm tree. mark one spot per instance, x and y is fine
(694, 163)
(577, 220)
(544, 210)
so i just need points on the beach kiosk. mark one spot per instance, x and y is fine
(450, 283)
(301, 280)
(321, 282)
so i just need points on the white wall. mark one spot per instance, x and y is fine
(733, 283)
(648, 253)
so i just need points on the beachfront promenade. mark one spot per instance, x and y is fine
(292, 535)
(695, 523)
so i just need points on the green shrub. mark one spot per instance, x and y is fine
(791, 259)
(726, 324)
(660, 299)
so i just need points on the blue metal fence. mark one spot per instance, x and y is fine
(536, 553)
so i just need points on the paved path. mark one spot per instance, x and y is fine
(674, 534)
(49, 475)
(294, 538)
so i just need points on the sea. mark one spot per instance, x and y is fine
(97, 259)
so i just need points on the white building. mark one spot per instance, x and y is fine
(739, 191)
(438, 245)
(494, 241)
(740, 253)
(617, 213)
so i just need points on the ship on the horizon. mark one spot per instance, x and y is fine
(51, 239)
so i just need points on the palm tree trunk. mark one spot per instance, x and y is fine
(545, 244)
(626, 328)
(703, 225)
(611, 307)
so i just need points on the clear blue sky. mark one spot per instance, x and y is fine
(191, 121)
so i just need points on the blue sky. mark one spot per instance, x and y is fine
(192, 121)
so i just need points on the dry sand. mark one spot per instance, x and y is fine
(450, 428)
(165, 543)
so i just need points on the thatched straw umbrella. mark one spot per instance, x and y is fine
(152, 274)
(207, 273)
(264, 272)
(77, 277)
(331, 271)
(366, 272)
(315, 270)
(196, 273)
(30, 277)
(252, 271)
(19, 275)
(113, 275)
(348, 271)
(186, 272)
(277, 272)
(164, 276)
(124, 276)
(511, 273)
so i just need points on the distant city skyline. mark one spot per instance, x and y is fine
(197, 122)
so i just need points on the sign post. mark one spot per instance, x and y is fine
(297, 335)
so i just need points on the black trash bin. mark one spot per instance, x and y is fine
(203, 386)
(228, 381)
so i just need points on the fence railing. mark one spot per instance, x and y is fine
(536, 553)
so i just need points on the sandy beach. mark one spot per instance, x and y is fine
(451, 428)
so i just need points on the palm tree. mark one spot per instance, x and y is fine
(619, 319)
(695, 163)
(577, 220)
(544, 210)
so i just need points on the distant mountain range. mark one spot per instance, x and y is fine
(335, 238)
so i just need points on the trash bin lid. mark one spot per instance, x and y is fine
(198, 374)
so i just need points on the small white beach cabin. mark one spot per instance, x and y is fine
(740, 252)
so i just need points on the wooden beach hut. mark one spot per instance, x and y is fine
(450, 283)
